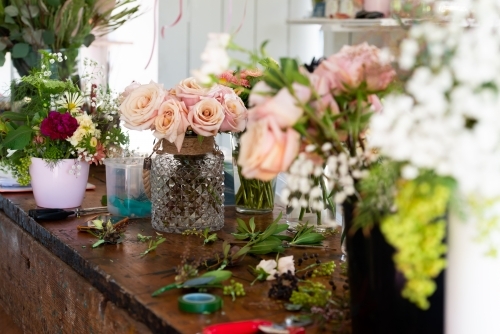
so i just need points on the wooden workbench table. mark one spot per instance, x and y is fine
(53, 281)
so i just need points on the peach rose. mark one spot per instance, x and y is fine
(235, 114)
(206, 117)
(128, 90)
(189, 91)
(171, 122)
(139, 109)
(266, 150)
(283, 106)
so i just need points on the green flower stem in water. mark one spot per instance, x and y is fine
(255, 194)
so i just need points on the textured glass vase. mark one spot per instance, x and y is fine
(187, 188)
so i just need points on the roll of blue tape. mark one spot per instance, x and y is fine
(199, 303)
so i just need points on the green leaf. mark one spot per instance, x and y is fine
(301, 79)
(98, 243)
(289, 67)
(218, 275)
(281, 228)
(19, 138)
(241, 236)
(11, 11)
(89, 39)
(251, 223)
(53, 3)
(311, 238)
(166, 288)
(270, 230)
(48, 37)
(104, 200)
(20, 50)
(202, 280)
(284, 237)
(269, 245)
(2, 59)
(242, 227)
(14, 116)
(2, 46)
(30, 12)
(9, 20)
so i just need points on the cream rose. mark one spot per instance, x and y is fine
(266, 150)
(189, 91)
(206, 117)
(140, 107)
(128, 90)
(171, 122)
(235, 114)
(269, 266)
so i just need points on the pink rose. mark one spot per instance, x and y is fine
(235, 114)
(206, 117)
(140, 107)
(171, 122)
(189, 91)
(283, 106)
(375, 103)
(260, 93)
(353, 65)
(218, 92)
(266, 150)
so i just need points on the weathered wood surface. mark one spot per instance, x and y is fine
(126, 279)
(45, 295)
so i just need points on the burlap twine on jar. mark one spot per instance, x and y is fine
(190, 146)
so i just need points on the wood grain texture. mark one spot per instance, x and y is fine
(45, 295)
(120, 274)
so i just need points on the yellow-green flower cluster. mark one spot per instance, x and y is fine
(416, 231)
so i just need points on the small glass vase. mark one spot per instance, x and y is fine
(252, 196)
(187, 187)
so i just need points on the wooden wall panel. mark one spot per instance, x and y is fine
(44, 295)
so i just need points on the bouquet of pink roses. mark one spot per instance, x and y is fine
(170, 113)
(312, 125)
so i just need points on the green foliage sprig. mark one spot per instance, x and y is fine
(210, 279)
(27, 26)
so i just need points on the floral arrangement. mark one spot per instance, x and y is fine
(58, 120)
(187, 108)
(439, 139)
(31, 25)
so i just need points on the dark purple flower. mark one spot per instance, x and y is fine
(58, 126)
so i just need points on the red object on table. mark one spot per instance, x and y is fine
(245, 327)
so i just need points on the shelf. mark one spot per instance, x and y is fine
(354, 25)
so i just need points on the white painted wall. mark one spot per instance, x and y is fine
(260, 20)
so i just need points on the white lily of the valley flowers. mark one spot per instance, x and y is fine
(215, 58)
(286, 264)
(269, 266)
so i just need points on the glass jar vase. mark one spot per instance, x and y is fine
(251, 196)
(187, 187)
